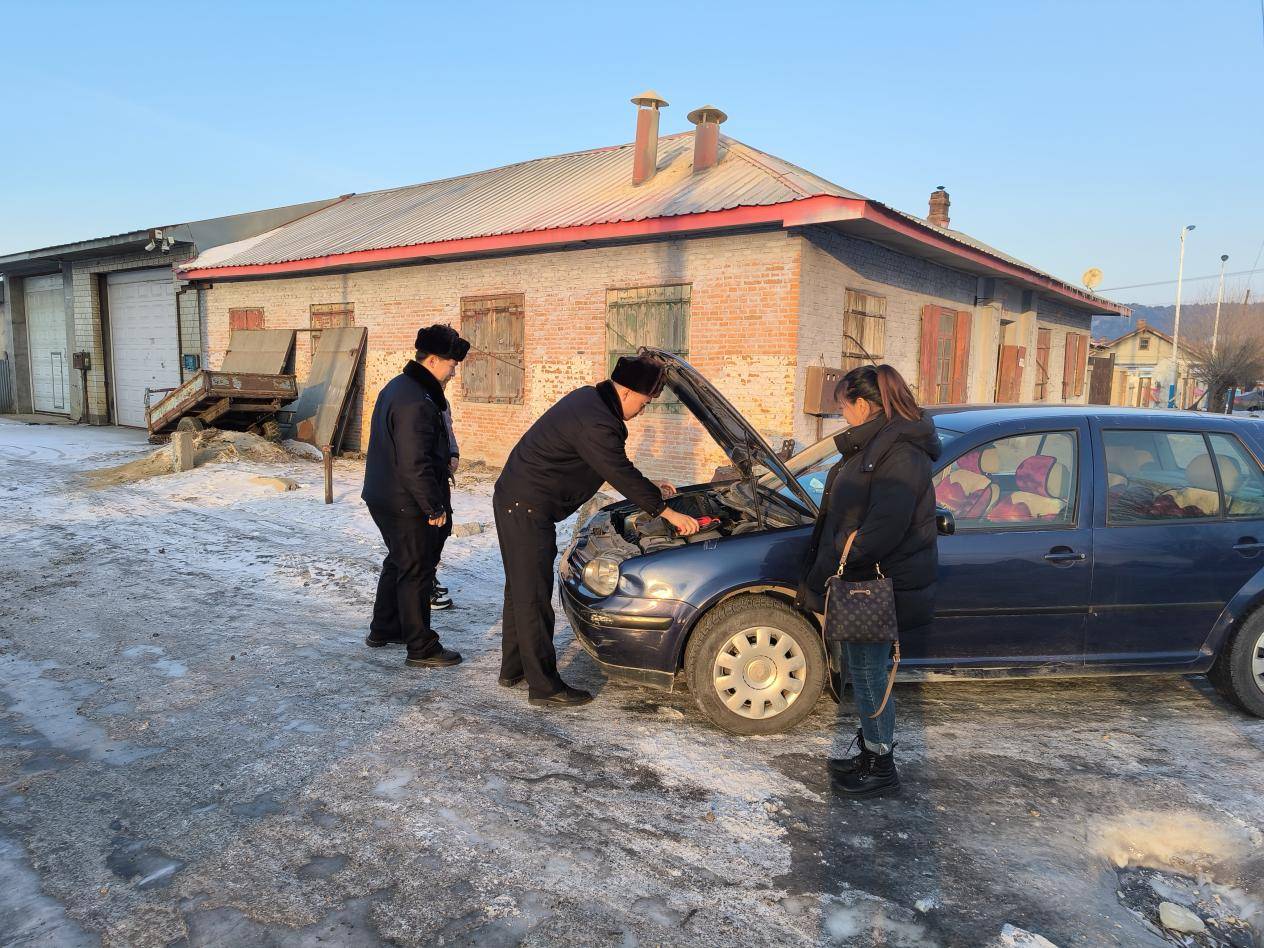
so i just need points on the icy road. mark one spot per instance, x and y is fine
(197, 749)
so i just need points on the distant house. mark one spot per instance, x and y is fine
(116, 306)
(752, 268)
(1143, 369)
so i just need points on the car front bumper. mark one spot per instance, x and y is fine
(629, 637)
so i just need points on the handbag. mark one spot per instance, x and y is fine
(862, 613)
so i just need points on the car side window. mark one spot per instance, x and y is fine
(1026, 480)
(1240, 476)
(1159, 476)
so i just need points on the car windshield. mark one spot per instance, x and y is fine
(811, 465)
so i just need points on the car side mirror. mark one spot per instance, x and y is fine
(945, 522)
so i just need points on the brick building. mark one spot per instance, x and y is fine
(752, 268)
(115, 303)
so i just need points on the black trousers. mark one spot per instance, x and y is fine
(401, 611)
(528, 547)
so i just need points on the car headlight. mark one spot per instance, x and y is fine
(601, 575)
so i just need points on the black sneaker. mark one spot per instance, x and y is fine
(568, 697)
(439, 600)
(373, 641)
(443, 658)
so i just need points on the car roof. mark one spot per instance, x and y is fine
(965, 418)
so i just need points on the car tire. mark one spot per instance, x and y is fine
(1238, 673)
(784, 666)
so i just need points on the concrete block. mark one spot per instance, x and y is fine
(182, 451)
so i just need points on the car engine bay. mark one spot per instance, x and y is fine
(624, 530)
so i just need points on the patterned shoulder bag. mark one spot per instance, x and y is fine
(862, 613)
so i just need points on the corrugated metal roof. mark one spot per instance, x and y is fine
(977, 244)
(588, 187)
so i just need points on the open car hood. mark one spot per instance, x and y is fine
(732, 432)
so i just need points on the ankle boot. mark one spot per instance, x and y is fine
(874, 776)
(846, 765)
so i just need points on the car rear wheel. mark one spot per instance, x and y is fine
(1239, 670)
(755, 666)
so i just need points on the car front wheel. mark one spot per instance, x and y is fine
(755, 666)
(1239, 670)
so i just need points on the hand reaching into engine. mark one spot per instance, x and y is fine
(685, 525)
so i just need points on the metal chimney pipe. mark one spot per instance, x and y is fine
(645, 153)
(939, 204)
(706, 136)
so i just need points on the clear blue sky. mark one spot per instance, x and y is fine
(1069, 134)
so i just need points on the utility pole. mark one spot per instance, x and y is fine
(1215, 329)
(1176, 330)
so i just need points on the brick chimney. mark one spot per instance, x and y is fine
(645, 154)
(1141, 324)
(939, 207)
(706, 136)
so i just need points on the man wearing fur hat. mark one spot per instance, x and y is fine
(407, 491)
(562, 460)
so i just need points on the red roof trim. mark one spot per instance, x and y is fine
(821, 209)
(708, 220)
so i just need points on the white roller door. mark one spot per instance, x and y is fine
(46, 335)
(144, 339)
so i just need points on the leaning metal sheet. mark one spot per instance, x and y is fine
(323, 400)
(259, 351)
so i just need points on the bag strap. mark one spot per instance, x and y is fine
(842, 563)
(890, 679)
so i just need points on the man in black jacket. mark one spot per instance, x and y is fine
(406, 488)
(560, 463)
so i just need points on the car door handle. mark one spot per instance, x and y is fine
(1248, 545)
(1062, 554)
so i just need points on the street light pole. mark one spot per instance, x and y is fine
(1176, 330)
(1215, 329)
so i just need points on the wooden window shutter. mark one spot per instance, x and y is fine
(926, 388)
(1081, 364)
(1009, 384)
(1069, 357)
(961, 358)
(245, 318)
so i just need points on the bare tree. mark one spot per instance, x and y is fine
(1238, 357)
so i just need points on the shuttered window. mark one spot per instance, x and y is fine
(493, 371)
(654, 316)
(1044, 342)
(1074, 366)
(945, 355)
(245, 318)
(864, 329)
(328, 316)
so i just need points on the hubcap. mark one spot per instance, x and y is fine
(759, 672)
(1257, 663)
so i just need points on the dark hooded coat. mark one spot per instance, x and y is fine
(881, 487)
(410, 448)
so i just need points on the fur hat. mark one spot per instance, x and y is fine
(642, 374)
(442, 340)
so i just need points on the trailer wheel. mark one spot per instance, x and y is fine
(189, 423)
(270, 430)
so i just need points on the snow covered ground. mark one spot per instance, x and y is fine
(197, 749)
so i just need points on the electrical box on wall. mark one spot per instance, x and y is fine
(193, 362)
(818, 390)
(82, 361)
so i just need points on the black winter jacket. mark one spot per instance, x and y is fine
(882, 488)
(406, 468)
(571, 450)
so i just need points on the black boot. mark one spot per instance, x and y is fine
(873, 777)
(848, 765)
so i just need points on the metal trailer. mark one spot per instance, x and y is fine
(237, 401)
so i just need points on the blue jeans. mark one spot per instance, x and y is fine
(869, 667)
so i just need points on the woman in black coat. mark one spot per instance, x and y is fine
(880, 490)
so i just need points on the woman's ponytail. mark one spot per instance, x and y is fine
(881, 386)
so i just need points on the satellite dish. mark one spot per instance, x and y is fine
(1092, 277)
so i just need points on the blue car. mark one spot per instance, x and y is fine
(1075, 540)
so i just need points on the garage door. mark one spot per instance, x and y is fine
(46, 334)
(144, 339)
